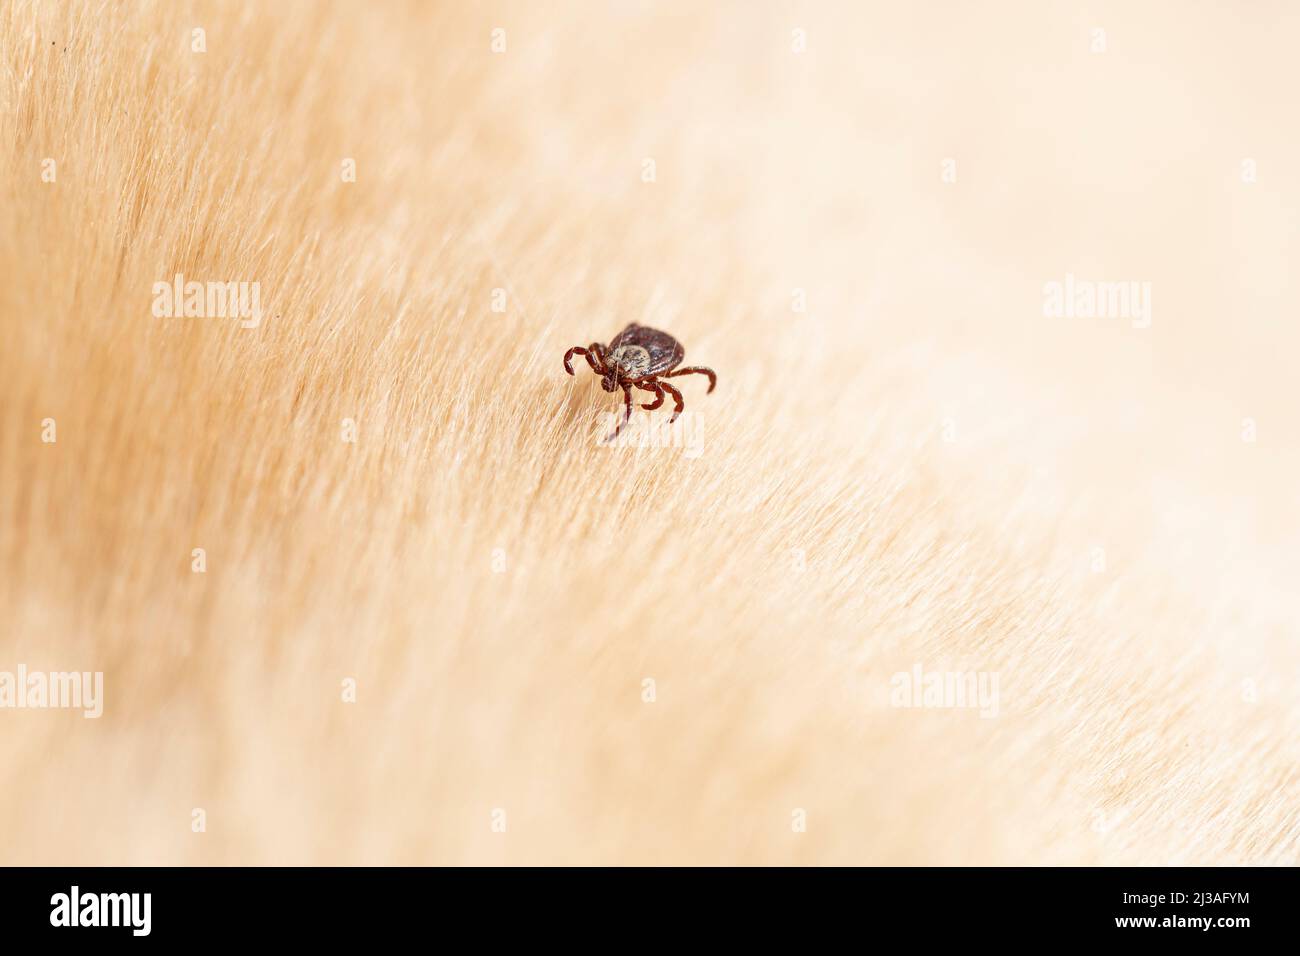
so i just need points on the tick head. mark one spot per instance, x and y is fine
(610, 381)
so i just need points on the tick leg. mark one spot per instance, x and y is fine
(652, 387)
(568, 357)
(595, 353)
(627, 413)
(677, 397)
(698, 370)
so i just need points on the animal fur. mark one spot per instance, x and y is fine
(917, 468)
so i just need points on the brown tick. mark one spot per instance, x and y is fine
(639, 357)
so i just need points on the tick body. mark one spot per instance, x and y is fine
(639, 357)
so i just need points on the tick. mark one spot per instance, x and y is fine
(639, 357)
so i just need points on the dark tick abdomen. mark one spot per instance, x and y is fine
(640, 350)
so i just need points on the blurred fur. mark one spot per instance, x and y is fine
(498, 585)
